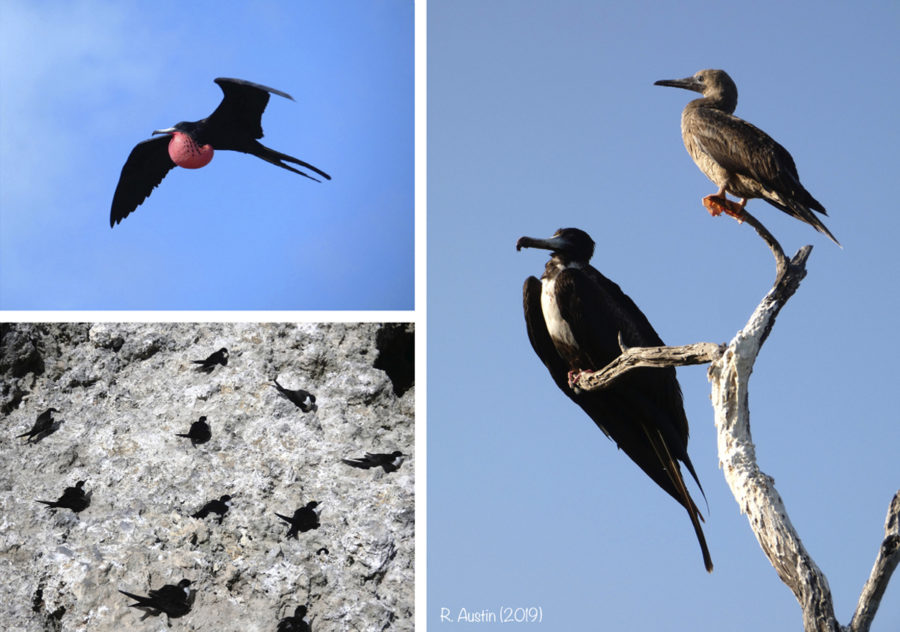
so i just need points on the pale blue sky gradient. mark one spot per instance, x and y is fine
(544, 115)
(84, 82)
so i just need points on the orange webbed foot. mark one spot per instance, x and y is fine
(718, 204)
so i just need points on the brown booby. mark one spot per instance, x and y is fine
(574, 317)
(738, 157)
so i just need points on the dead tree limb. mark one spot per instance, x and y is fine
(754, 491)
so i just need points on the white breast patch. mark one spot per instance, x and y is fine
(559, 329)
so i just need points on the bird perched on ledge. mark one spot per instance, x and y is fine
(174, 601)
(738, 157)
(236, 125)
(574, 317)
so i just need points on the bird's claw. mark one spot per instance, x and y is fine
(716, 205)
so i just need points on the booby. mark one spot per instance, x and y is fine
(388, 462)
(574, 317)
(297, 623)
(198, 433)
(43, 426)
(303, 520)
(220, 506)
(207, 365)
(738, 157)
(174, 601)
(304, 400)
(72, 498)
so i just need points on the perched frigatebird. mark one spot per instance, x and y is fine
(387, 462)
(174, 601)
(43, 426)
(303, 520)
(738, 157)
(198, 433)
(297, 623)
(208, 364)
(72, 498)
(574, 317)
(235, 125)
(304, 400)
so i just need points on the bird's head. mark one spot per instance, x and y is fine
(572, 244)
(300, 612)
(712, 84)
(184, 583)
(184, 127)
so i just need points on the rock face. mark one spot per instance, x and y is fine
(123, 392)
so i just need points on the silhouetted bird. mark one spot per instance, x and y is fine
(305, 400)
(297, 623)
(738, 157)
(174, 601)
(236, 125)
(72, 498)
(303, 520)
(219, 506)
(322, 550)
(199, 432)
(388, 462)
(219, 357)
(43, 426)
(574, 316)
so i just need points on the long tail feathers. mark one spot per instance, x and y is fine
(276, 157)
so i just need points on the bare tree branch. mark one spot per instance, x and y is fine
(754, 491)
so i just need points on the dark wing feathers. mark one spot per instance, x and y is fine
(147, 165)
(540, 337)
(241, 109)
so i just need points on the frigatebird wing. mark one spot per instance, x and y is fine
(540, 337)
(147, 165)
(240, 112)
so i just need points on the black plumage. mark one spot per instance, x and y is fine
(296, 623)
(220, 507)
(304, 400)
(198, 433)
(388, 462)
(208, 364)
(304, 519)
(236, 124)
(738, 157)
(174, 601)
(43, 426)
(73, 498)
(574, 317)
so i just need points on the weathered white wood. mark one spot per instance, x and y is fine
(754, 491)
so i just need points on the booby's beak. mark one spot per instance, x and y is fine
(688, 83)
(169, 130)
(554, 243)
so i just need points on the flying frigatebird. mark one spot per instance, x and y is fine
(175, 601)
(236, 125)
(738, 157)
(574, 317)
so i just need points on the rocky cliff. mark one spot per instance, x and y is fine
(123, 392)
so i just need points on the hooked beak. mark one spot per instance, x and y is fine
(554, 243)
(169, 130)
(688, 83)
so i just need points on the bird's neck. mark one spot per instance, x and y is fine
(721, 100)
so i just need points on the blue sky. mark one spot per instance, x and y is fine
(543, 115)
(84, 82)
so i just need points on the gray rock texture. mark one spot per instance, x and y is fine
(123, 391)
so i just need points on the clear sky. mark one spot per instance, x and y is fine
(543, 115)
(83, 82)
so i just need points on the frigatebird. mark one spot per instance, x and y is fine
(303, 520)
(387, 462)
(174, 601)
(72, 498)
(208, 364)
(220, 507)
(296, 623)
(574, 317)
(738, 157)
(43, 426)
(236, 125)
(304, 400)
(198, 433)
